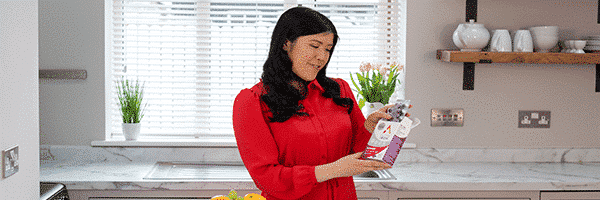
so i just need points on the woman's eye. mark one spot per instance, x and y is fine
(316, 47)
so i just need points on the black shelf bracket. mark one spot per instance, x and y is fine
(472, 10)
(468, 76)
(597, 77)
(598, 65)
(469, 67)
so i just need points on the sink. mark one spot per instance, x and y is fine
(197, 170)
(226, 171)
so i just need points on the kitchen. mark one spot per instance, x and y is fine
(70, 112)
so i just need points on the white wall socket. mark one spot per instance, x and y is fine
(10, 161)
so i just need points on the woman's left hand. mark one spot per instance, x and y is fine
(374, 117)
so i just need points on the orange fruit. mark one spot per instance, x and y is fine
(220, 197)
(253, 196)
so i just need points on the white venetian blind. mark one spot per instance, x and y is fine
(196, 55)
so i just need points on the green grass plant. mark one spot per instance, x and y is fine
(130, 96)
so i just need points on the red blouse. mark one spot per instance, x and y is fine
(281, 156)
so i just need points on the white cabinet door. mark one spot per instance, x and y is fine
(464, 195)
(161, 198)
(372, 195)
(570, 195)
(150, 195)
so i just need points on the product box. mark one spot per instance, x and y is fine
(387, 140)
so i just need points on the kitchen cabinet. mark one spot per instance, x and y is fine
(153, 195)
(181, 195)
(470, 58)
(579, 195)
(464, 195)
(159, 198)
(372, 195)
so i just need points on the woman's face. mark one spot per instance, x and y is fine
(309, 54)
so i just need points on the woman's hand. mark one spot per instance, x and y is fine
(374, 117)
(346, 166)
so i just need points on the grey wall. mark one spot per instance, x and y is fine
(19, 115)
(71, 112)
(491, 110)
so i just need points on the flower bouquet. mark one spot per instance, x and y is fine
(377, 82)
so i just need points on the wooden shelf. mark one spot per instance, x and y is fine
(514, 57)
(470, 58)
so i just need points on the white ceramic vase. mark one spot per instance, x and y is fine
(370, 108)
(131, 131)
(471, 36)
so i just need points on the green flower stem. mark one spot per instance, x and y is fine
(374, 87)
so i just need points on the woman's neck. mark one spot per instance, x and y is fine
(300, 85)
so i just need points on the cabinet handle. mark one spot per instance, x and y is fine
(63, 74)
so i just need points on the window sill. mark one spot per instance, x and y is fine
(200, 142)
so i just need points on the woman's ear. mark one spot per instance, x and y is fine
(287, 46)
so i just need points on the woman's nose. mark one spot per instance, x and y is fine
(322, 55)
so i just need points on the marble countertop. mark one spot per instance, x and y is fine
(112, 175)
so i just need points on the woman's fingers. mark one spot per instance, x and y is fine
(385, 108)
(357, 155)
(374, 165)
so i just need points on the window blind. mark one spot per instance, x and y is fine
(195, 56)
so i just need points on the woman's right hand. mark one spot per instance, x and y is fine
(346, 166)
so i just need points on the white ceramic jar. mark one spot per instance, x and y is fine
(471, 36)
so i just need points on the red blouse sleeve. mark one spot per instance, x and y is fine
(360, 133)
(259, 152)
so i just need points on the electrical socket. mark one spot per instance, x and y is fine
(534, 119)
(447, 117)
(10, 161)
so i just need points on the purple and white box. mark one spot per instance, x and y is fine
(387, 140)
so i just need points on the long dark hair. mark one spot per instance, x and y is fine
(281, 96)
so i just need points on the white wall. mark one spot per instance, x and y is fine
(19, 124)
(71, 113)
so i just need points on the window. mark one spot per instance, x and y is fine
(196, 55)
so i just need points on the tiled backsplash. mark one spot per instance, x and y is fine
(419, 155)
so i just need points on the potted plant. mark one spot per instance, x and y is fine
(130, 96)
(377, 84)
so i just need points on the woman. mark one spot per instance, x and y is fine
(300, 134)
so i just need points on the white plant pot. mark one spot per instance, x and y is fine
(370, 108)
(131, 131)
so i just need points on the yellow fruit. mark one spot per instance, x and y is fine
(220, 197)
(253, 196)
